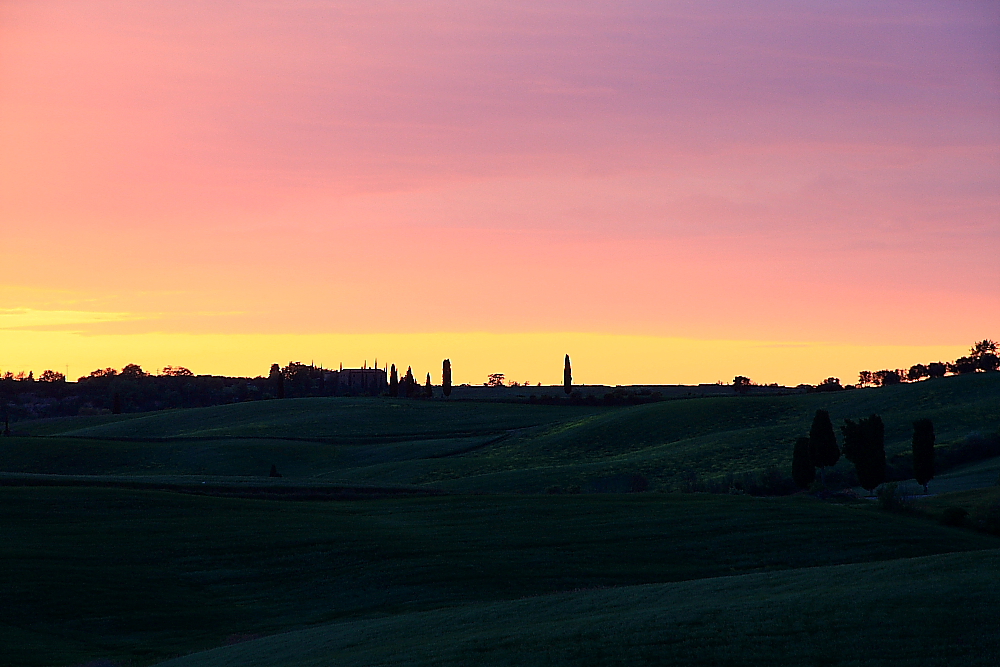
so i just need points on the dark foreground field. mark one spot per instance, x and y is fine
(140, 538)
(140, 576)
(870, 614)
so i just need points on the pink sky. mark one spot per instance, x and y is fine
(775, 171)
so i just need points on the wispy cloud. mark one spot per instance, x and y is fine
(30, 318)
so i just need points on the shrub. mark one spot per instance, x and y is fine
(769, 482)
(638, 484)
(844, 478)
(893, 498)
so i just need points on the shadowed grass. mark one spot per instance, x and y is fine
(140, 575)
(868, 614)
(334, 419)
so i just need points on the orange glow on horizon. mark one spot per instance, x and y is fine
(597, 358)
(298, 177)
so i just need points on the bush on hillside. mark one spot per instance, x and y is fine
(769, 482)
(893, 498)
(842, 478)
(638, 483)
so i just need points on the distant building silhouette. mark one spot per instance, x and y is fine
(357, 381)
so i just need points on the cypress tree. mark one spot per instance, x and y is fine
(803, 470)
(823, 450)
(446, 378)
(278, 380)
(428, 387)
(567, 377)
(923, 451)
(409, 384)
(393, 382)
(864, 446)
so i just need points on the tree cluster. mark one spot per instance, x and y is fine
(829, 384)
(982, 358)
(864, 446)
(130, 389)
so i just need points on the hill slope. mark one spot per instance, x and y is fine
(867, 614)
(492, 446)
(349, 420)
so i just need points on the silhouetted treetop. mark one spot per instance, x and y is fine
(446, 378)
(51, 376)
(829, 384)
(823, 450)
(133, 371)
(567, 376)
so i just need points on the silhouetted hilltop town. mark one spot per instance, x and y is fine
(132, 389)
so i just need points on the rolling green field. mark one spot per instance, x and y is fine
(140, 538)
(489, 447)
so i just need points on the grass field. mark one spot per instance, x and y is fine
(140, 576)
(349, 420)
(924, 612)
(106, 570)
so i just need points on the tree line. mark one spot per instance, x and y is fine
(982, 358)
(132, 389)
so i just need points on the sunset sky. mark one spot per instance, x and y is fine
(670, 192)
